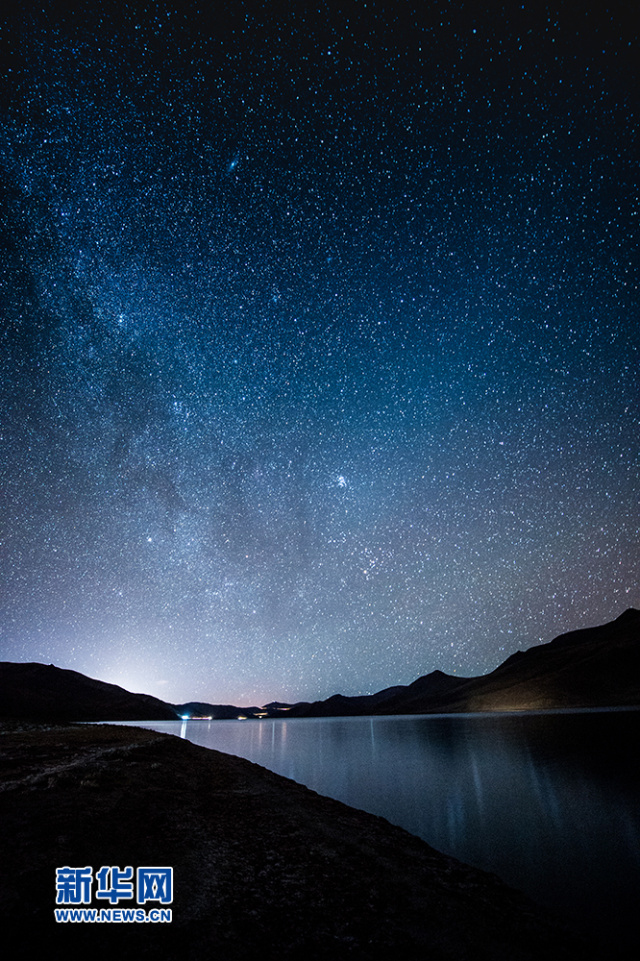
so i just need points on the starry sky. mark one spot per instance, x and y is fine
(319, 339)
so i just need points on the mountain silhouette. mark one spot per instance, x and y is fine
(594, 667)
(42, 692)
(589, 668)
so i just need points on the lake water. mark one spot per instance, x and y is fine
(548, 801)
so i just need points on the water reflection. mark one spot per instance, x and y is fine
(548, 802)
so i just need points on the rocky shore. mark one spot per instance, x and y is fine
(263, 867)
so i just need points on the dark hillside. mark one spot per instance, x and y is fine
(45, 692)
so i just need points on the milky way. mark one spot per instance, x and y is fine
(319, 337)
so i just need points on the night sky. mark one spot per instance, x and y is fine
(319, 339)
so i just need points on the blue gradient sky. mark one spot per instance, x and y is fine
(320, 340)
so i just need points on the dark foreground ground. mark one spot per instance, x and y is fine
(263, 868)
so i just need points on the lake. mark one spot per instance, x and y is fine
(548, 801)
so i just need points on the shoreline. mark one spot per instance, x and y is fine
(262, 865)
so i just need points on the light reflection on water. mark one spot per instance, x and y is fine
(550, 802)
